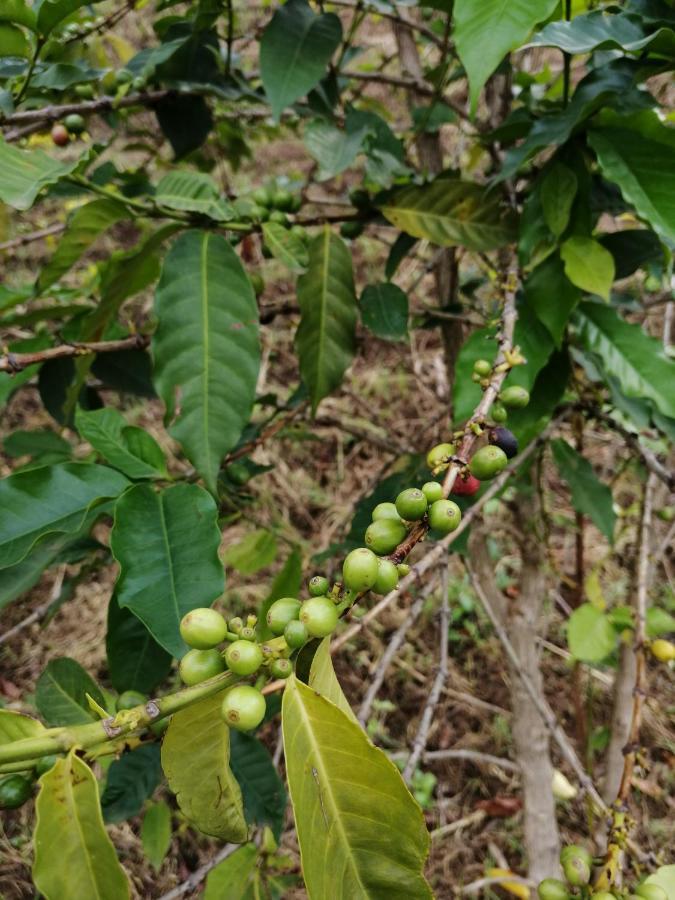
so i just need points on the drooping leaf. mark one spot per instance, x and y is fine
(167, 546)
(13, 41)
(588, 265)
(193, 192)
(590, 635)
(350, 805)
(295, 50)
(50, 500)
(25, 173)
(15, 727)
(206, 347)
(257, 550)
(131, 780)
(399, 250)
(51, 12)
(285, 246)
(448, 212)
(61, 693)
(636, 360)
(230, 879)
(286, 583)
(589, 495)
(322, 678)
(552, 296)
(74, 856)
(156, 833)
(326, 336)
(262, 789)
(131, 450)
(384, 310)
(602, 30)
(484, 33)
(557, 192)
(196, 761)
(185, 122)
(136, 662)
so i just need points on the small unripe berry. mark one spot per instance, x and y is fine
(553, 889)
(243, 657)
(14, 791)
(606, 895)
(385, 535)
(515, 397)
(444, 516)
(279, 217)
(282, 199)
(465, 485)
(438, 457)
(235, 625)
(499, 413)
(504, 439)
(198, 665)
(576, 850)
(385, 511)
(651, 892)
(351, 229)
(662, 650)
(433, 491)
(60, 135)
(403, 569)
(130, 699)
(387, 576)
(482, 367)
(243, 707)
(487, 462)
(247, 633)
(318, 586)
(281, 612)
(576, 871)
(411, 504)
(281, 668)
(44, 764)
(203, 628)
(319, 615)
(75, 123)
(262, 196)
(359, 570)
(296, 634)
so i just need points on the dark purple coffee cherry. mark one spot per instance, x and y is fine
(504, 439)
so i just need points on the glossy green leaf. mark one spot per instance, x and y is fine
(484, 33)
(61, 693)
(195, 759)
(167, 546)
(136, 662)
(51, 12)
(545, 395)
(589, 495)
(193, 192)
(322, 678)
(287, 583)
(231, 877)
(26, 172)
(130, 780)
(17, 11)
(295, 50)
(257, 550)
(590, 634)
(131, 450)
(448, 212)
(603, 30)
(85, 225)
(557, 192)
(262, 790)
(350, 805)
(551, 296)
(636, 360)
(326, 337)
(59, 76)
(466, 394)
(48, 500)
(588, 265)
(13, 41)
(285, 246)
(384, 310)
(642, 166)
(156, 833)
(15, 727)
(74, 856)
(36, 443)
(206, 348)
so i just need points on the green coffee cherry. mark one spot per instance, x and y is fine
(650, 892)
(243, 657)
(488, 462)
(319, 615)
(203, 628)
(576, 871)
(438, 457)
(318, 586)
(385, 511)
(576, 850)
(296, 635)
(247, 633)
(281, 612)
(411, 504)
(130, 699)
(384, 535)
(482, 368)
(553, 889)
(14, 791)
(359, 570)
(514, 397)
(258, 214)
(499, 413)
(262, 196)
(45, 763)
(86, 91)
(235, 625)
(281, 668)
(123, 76)
(387, 576)
(199, 665)
(243, 707)
(403, 569)
(606, 895)
(75, 123)
(444, 516)
(433, 491)
(279, 217)
(283, 199)
(359, 198)
(351, 229)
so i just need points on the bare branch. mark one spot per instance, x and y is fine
(33, 236)
(17, 362)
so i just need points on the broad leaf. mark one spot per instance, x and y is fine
(551, 296)
(546, 393)
(287, 583)
(61, 693)
(136, 662)
(48, 500)
(326, 336)
(449, 212)
(156, 833)
(230, 879)
(43, 442)
(466, 394)
(322, 678)
(636, 360)
(285, 246)
(131, 779)
(335, 149)
(195, 759)
(13, 41)
(131, 450)
(25, 173)
(384, 310)
(206, 347)
(193, 192)
(484, 33)
(602, 30)
(257, 550)
(590, 634)
(350, 804)
(589, 494)
(17, 11)
(262, 789)
(557, 193)
(588, 265)
(85, 226)
(295, 50)
(167, 546)
(632, 249)
(52, 12)
(15, 727)
(74, 856)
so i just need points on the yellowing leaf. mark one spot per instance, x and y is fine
(518, 890)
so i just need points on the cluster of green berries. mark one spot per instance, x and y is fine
(362, 201)
(577, 866)
(272, 203)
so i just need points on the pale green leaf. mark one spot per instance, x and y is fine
(335, 149)
(13, 41)
(602, 30)
(557, 193)
(231, 877)
(257, 550)
(351, 806)
(322, 678)
(61, 693)
(167, 546)
(17, 11)
(131, 450)
(156, 833)
(74, 856)
(15, 727)
(193, 192)
(51, 12)
(195, 759)
(206, 348)
(26, 172)
(285, 246)
(588, 265)
(589, 495)
(590, 635)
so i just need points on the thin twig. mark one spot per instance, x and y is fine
(481, 883)
(396, 17)
(475, 818)
(17, 362)
(33, 236)
(472, 756)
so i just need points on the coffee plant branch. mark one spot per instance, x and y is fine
(17, 362)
